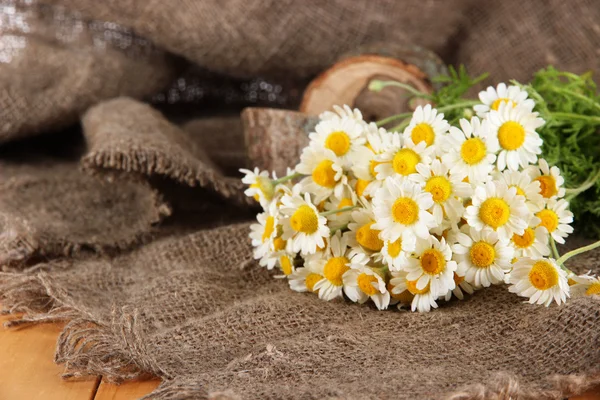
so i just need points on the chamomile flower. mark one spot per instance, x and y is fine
(556, 219)
(422, 300)
(446, 190)
(395, 253)
(462, 287)
(402, 157)
(550, 180)
(362, 283)
(525, 187)
(471, 150)
(334, 264)
(585, 285)
(263, 234)
(378, 141)
(498, 207)
(540, 279)
(493, 97)
(342, 112)
(432, 265)
(515, 129)
(341, 134)
(482, 258)
(361, 235)
(400, 209)
(261, 186)
(285, 262)
(532, 243)
(303, 226)
(305, 278)
(340, 219)
(429, 126)
(325, 174)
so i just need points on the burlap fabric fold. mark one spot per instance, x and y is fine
(133, 236)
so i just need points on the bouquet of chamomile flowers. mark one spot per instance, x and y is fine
(418, 216)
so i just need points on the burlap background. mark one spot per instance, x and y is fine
(130, 231)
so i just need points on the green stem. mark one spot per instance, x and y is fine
(563, 115)
(286, 178)
(377, 85)
(573, 94)
(555, 253)
(575, 252)
(400, 127)
(341, 228)
(393, 118)
(339, 210)
(585, 186)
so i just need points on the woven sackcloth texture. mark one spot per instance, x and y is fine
(122, 214)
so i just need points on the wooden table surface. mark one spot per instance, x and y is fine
(28, 372)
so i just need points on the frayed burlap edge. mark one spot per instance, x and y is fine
(116, 349)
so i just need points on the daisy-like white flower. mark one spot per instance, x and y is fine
(305, 278)
(263, 235)
(325, 174)
(540, 279)
(482, 258)
(342, 112)
(362, 283)
(515, 129)
(556, 219)
(362, 236)
(498, 207)
(432, 265)
(341, 134)
(334, 264)
(395, 253)
(402, 157)
(340, 219)
(492, 98)
(304, 226)
(533, 242)
(261, 187)
(406, 291)
(429, 126)
(462, 287)
(378, 141)
(585, 285)
(400, 209)
(285, 262)
(525, 187)
(446, 190)
(550, 180)
(471, 150)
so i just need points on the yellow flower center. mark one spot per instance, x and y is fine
(345, 202)
(338, 142)
(439, 187)
(511, 135)
(549, 219)
(423, 133)
(264, 185)
(369, 238)
(365, 284)
(547, 186)
(311, 280)
(482, 254)
(305, 220)
(593, 289)
(361, 185)
(432, 261)
(520, 191)
(411, 286)
(405, 161)
(543, 275)
(394, 248)
(286, 265)
(278, 244)
(497, 102)
(324, 175)
(405, 211)
(334, 269)
(269, 228)
(494, 212)
(473, 150)
(525, 240)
